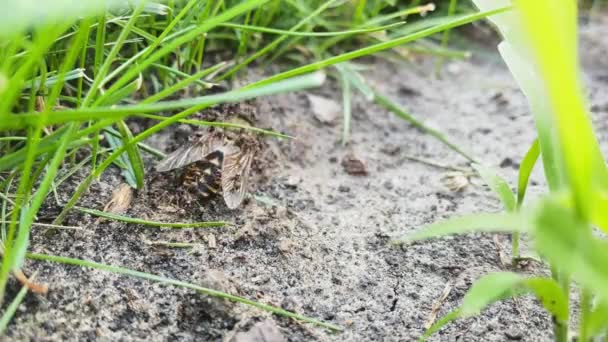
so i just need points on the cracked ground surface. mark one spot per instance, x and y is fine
(323, 248)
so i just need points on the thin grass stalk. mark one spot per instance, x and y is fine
(174, 44)
(445, 37)
(277, 41)
(462, 20)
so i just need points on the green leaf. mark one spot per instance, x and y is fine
(498, 185)
(124, 92)
(122, 161)
(598, 320)
(487, 290)
(525, 169)
(451, 316)
(551, 296)
(487, 223)
(497, 286)
(11, 309)
(136, 163)
(552, 40)
(565, 240)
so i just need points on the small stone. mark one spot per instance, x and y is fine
(211, 241)
(291, 304)
(293, 181)
(508, 162)
(391, 150)
(286, 246)
(514, 334)
(266, 331)
(354, 166)
(343, 188)
(388, 185)
(325, 110)
(500, 99)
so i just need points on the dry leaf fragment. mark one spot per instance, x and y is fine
(121, 200)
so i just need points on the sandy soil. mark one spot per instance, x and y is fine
(322, 250)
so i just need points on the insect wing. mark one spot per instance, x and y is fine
(235, 176)
(189, 154)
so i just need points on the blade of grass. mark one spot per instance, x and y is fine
(182, 284)
(525, 169)
(212, 22)
(498, 185)
(9, 313)
(311, 34)
(222, 125)
(273, 45)
(454, 22)
(133, 220)
(136, 163)
(21, 121)
(486, 223)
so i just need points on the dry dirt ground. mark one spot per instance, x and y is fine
(322, 249)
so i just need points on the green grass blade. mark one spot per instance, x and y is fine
(597, 323)
(396, 108)
(525, 169)
(451, 316)
(221, 124)
(171, 46)
(9, 313)
(122, 161)
(564, 240)
(109, 60)
(142, 222)
(502, 285)
(552, 43)
(182, 284)
(454, 22)
(311, 34)
(354, 78)
(487, 290)
(498, 185)
(123, 93)
(346, 109)
(275, 43)
(486, 223)
(21, 121)
(136, 163)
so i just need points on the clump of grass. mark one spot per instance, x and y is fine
(72, 73)
(541, 51)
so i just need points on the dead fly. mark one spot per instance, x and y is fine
(219, 161)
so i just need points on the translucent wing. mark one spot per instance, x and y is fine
(191, 153)
(235, 176)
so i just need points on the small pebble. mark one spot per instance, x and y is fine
(343, 188)
(388, 185)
